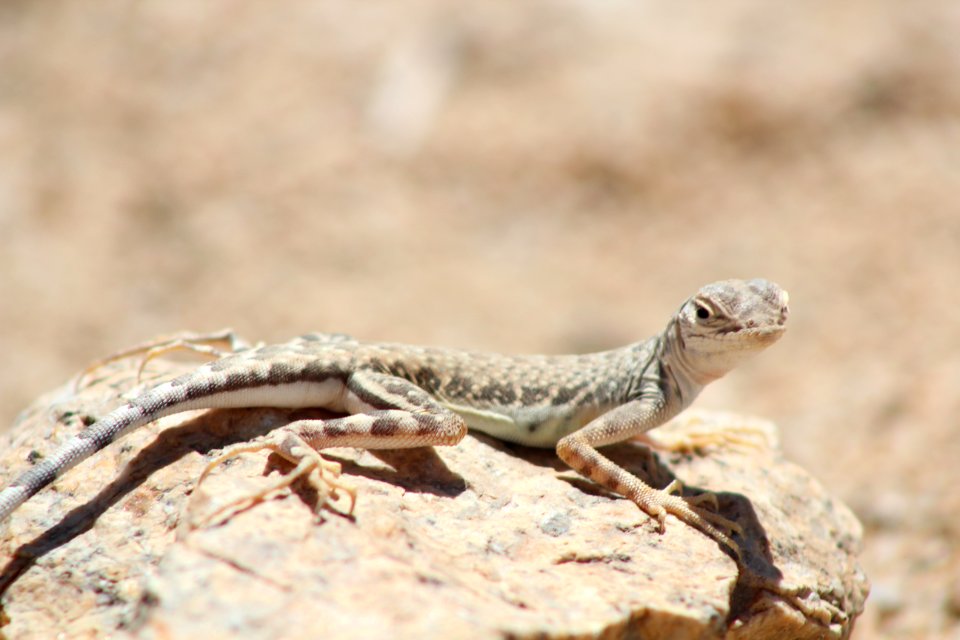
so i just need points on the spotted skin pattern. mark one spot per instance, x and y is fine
(400, 396)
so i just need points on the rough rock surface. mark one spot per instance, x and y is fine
(480, 540)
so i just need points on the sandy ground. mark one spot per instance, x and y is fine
(549, 178)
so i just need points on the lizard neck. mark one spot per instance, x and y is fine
(680, 367)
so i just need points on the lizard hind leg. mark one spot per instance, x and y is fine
(322, 474)
(211, 345)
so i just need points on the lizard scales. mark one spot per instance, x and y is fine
(407, 396)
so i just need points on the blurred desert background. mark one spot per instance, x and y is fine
(550, 176)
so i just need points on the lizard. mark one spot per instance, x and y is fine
(399, 396)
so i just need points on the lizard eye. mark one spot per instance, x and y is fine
(703, 312)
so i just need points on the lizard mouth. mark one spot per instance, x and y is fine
(760, 337)
(767, 333)
(748, 337)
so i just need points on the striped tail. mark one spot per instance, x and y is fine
(245, 385)
(75, 451)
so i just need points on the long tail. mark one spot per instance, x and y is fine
(245, 384)
(76, 450)
(162, 400)
(240, 388)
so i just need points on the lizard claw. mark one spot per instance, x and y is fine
(675, 487)
(707, 497)
(658, 503)
(698, 502)
(322, 474)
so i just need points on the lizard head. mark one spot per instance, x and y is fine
(725, 323)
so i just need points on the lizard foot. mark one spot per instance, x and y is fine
(322, 474)
(709, 498)
(212, 345)
(689, 510)
(696, 435)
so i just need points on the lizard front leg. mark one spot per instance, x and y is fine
(388, 413)
(579, 451)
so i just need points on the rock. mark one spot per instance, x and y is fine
(480, 540)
